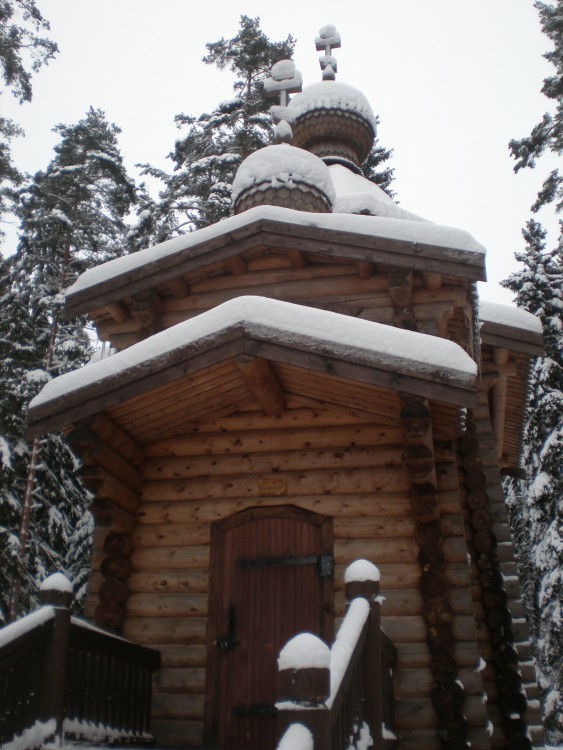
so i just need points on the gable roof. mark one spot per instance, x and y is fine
(327, 342)
(416, 245)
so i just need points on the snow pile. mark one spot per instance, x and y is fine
(25, 624)
(57, 582)
(335, 335)
(193, 243)
(98, 733)
(296, 737)
(507, 315)
(332, 95)
(361, 570)
(34, 736)
(357, 195)
(345, 643)
(283, 166)
(304, 651)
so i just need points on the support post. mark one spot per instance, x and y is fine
(56, 591)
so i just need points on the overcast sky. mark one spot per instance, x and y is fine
(451, 80)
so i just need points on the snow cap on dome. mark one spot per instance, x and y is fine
(332, 95)
(286, 176)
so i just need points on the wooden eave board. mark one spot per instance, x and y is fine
(514, 339)
(285, 235)
(517, 397)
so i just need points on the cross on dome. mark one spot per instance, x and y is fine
(328, 39)
(286, 79)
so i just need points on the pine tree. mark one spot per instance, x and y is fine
(536, 504)
(198, 193)
(22, 52)
(547, 135)
(72, 217)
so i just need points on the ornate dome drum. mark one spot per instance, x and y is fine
(285, 176)
(334, 121)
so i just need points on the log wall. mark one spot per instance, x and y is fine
(360, 481)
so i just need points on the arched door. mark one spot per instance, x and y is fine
(270, 578)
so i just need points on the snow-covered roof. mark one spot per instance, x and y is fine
(332, 95)
(356, 194)
(418, 244)
(373, 353)
(510, 327)
(283, 166)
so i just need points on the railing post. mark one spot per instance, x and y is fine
(56, 590)
(304, 680)
(362, 580)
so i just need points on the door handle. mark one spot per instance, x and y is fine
(227, 641)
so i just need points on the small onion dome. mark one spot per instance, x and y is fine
(334, 121)
(285, 176)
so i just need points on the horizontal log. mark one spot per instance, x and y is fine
(166, 630)
(173, 581)
(208, 466)
(178, 732)
(412, 628)
(94, 452)
(358, 481)
(414, 683)
(117, 439)
(382, 505)
(170, 558)
(409, 602)
(255, 441)
(418, 713)
(386, 550)
(167, 605)
(110, 516)
(176, 706)
(171, 535)
(181, 656)
(417, 655)
(106, 486)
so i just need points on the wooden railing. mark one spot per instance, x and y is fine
(341, 697)
(60, 676)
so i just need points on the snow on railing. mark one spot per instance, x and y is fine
(61, 675)
(337, 694)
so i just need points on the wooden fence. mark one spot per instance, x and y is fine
(59, 675)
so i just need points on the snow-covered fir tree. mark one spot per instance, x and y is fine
(198, 192)
(23, 50)
(71, 218)
(536, 504)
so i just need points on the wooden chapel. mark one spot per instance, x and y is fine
(308, 382)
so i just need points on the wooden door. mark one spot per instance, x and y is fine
(271, 578)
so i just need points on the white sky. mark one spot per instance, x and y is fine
(452, 81)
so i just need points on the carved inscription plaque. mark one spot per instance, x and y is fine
(272, 487)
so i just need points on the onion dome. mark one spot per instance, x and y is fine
(334, 121)
(285, 176)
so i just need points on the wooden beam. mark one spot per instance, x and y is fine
(236, 265)
(178, 288)
(118, 312)
(263, 383)
(365, 269)
(297, 258)
(102, 426)
(432, 280)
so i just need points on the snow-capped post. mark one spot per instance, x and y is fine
(56, 591)
(328, 39)
(304, 670)
(361, 579)
(286, 79)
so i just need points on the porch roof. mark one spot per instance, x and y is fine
(246, 328)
